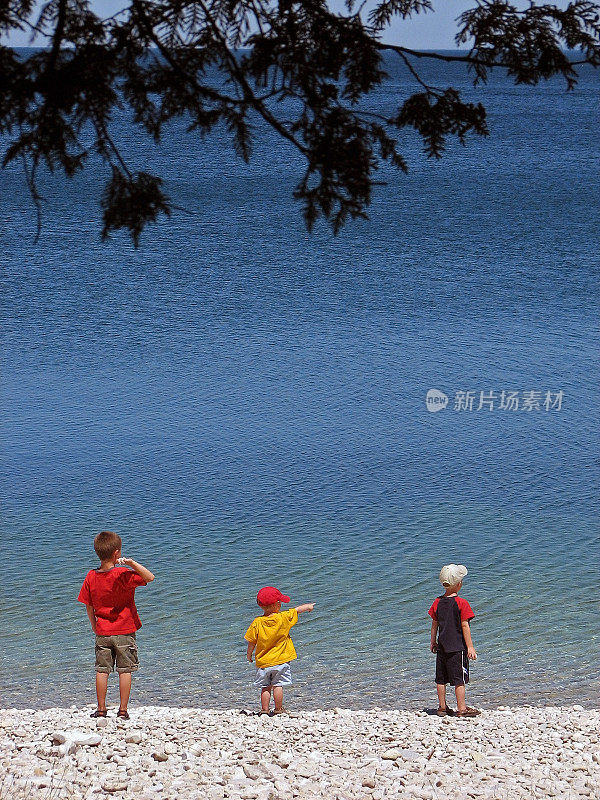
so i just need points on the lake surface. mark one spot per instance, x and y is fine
(245, 404)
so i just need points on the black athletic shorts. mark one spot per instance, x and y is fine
(452, 668)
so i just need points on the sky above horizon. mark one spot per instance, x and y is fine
(427, 31)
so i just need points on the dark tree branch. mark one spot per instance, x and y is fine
(450, 58)
(34, 194)
(305, 72)
(57, 39)
(245, 86)
(429, 89)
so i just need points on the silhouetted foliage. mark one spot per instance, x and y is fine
(298, 66)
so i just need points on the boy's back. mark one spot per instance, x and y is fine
(450, 612)
(111, 594)
(272, 636)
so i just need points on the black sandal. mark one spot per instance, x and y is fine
(98, 713)
(122, 714)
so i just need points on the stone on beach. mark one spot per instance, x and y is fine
(515, 753)
(392, 755)
(69, 741)
(115, 784)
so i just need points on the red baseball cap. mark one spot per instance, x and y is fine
(269, 595)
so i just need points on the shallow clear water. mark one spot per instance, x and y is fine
(245, 404)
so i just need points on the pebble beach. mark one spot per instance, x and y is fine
(338, 754)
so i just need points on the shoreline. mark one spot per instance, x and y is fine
(338, 754)
(298, 704)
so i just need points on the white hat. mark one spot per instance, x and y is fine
(452, 574)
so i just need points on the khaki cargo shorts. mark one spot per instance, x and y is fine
(120, 650)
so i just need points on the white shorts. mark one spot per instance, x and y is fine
(279, 675)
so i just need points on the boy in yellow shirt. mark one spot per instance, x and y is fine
(270, 635)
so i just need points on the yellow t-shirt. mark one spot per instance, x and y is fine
(272, 637)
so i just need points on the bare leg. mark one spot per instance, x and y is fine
(101, 687)
(441, 690)
(124, 689)
(460, 697)
(278, 697)
(265, 698)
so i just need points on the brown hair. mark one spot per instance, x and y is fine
(105, 544)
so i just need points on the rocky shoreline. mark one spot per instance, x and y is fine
(340, 754)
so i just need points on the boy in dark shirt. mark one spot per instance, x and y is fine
(451, 640)
(108, 595)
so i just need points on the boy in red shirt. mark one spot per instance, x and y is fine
(451, 640)
(108, 594)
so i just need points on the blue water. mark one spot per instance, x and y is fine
(245, 404)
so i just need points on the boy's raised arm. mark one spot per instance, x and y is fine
(306, 607)
(143, 572)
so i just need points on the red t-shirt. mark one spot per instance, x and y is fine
(111, 595)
